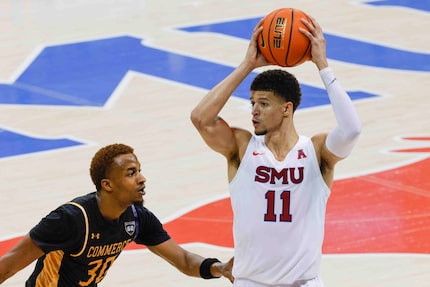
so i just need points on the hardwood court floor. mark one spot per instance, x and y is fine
(77, 75)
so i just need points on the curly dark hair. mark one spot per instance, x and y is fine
(103, 160)
(282, 83)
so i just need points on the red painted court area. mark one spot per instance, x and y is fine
(384, 212)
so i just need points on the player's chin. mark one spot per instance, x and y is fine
(139, 200)
(259, 132)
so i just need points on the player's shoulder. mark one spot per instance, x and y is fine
(241, 135)
(79, 205)
(70, 214)
(140, 209)
(242, 139)
(143, 213)
(326, 158)
(319, 140)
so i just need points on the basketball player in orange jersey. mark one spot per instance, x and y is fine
(279, 180)
(76, 243)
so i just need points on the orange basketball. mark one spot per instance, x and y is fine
(281, 41)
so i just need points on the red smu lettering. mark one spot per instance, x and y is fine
(286, 175)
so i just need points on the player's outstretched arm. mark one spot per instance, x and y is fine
(192, 264)
(21, 255)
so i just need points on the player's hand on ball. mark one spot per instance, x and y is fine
(318, 42)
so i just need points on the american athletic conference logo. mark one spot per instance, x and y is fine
(130, 227)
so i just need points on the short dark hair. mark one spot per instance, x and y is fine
(103, 161)
(282, 83)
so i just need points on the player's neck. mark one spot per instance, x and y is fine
(110, 211)
(281, 143)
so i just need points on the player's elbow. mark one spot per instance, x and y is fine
(341, 142)
(350, 131)
(196, 118)
(200, 120)
(355, 132)
(350, 137)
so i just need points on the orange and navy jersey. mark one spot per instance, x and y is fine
(80, 245)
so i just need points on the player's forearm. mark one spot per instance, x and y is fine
(207, 268)
(4, 276)
(7, 269)
(321, 64)
(342, 139)
(21, 255)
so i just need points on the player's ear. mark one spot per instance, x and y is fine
(106, 185)
(288, 108)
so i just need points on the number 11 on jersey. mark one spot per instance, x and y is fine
(270, 215)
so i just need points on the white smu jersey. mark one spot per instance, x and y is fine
(279, 212)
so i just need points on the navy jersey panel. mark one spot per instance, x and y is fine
(151, 231)
(63, 228)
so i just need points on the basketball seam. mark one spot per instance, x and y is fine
(269, 36)
(289, 38)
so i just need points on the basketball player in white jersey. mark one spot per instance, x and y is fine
(279, 180)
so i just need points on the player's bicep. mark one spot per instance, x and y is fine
(219, 137)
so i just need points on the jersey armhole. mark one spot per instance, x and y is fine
(245, 159)
(84, 213)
